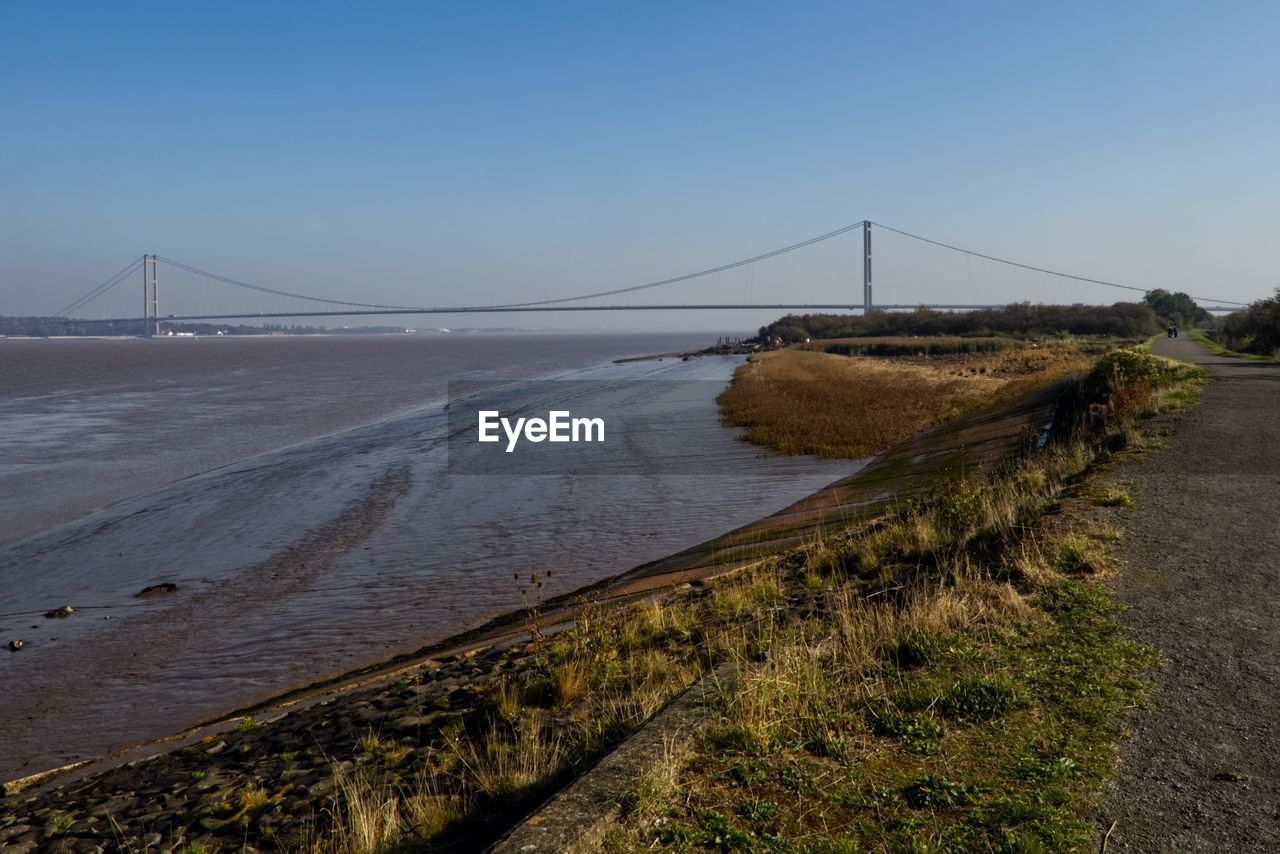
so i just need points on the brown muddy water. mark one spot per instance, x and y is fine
(297, 492)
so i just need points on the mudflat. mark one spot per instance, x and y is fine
(1202, 582)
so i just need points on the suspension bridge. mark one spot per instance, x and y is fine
(205, 301)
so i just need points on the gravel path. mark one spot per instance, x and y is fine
(1202, 771)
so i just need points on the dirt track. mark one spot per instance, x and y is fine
(1202, 580)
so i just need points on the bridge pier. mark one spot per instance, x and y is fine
(866, 267)
(150, 294)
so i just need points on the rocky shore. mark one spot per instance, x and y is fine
(276, 783)
(259, 785)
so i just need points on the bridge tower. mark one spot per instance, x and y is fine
(866, 267)
(150, 293)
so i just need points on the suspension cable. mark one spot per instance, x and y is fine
(1041, 269)
(267, 290)
(687, 277)
(101, 289)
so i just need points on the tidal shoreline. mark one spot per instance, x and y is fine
(416, 696)
(439, 564)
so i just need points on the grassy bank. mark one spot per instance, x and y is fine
(1221, 350)
(959, 691)
(947, 678)
(827, 403)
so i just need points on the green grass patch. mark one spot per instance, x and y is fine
(1113, 496)
(1220, 350)
(1146, 346)
(998, 744)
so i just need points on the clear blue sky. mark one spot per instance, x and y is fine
(437, 153)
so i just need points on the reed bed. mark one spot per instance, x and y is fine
(911, 345)
(803, 401)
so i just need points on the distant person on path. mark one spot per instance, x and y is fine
(1169, 331)
(1175, 331)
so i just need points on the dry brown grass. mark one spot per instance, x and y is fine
(826, 640)
(911, 345)
(510, 758)
(658, 781)
(799, 401)
(365, 816)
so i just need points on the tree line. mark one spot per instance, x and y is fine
(1253, 330)
(1122, 320)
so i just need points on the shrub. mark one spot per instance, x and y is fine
(1255, 330)
(1125, 367)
